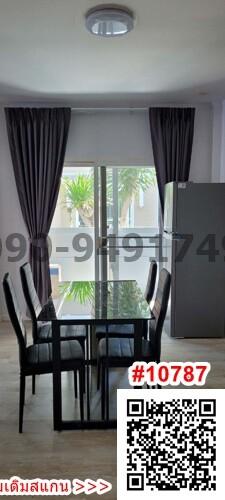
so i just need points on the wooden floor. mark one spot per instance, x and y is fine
(40, 452)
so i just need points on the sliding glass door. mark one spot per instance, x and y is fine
(128, 222)
(105, 224)
(72, 232)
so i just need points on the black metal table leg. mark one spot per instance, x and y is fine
(87, 374)
(138, 325)
(137, 342)
(57, 383)
(107, 372)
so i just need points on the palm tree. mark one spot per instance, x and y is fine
(79, 192)
(130, 181)
(79, 195)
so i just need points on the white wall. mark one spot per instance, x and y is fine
(218, 149)
(201, 161)
(119, 138)
(110, 138)
(105, 138)
(123, 137)
(217, 141)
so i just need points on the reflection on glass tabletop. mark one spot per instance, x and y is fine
(101, 300)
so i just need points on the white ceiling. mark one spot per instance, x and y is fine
(176, 52)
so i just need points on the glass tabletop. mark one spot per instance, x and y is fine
(101, 300)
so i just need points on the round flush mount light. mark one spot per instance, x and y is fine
(109, 20)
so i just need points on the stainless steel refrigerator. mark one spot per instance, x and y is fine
(194, 253)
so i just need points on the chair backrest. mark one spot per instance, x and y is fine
(150, 287)
(159, 312)
(30, 294)
(15, 316)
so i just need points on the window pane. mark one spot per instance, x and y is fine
(132, 207)
(72, 230)
(132, 195)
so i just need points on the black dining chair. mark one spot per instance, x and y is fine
(36, 359)
(121, 350)
(42, 330)
(124, 330)
(150, 286)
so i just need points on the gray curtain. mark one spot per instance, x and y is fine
(37, 140)
(172, 131)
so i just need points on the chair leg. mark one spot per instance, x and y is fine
(83, 343)
(145, 329)
(98, 375)
(75, 383)
(81, 392)
(21, 404)
(33, 384)
(84, 384)
(24, 397)
(103, 391)
(83, 346)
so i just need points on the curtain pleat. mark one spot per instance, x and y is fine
(37, 140)
(172, 131)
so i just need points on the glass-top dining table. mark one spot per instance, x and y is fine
(93, 303)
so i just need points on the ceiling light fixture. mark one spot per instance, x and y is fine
(109, 20)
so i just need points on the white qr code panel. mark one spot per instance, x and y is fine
(170, 444)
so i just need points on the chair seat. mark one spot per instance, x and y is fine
(41, 354)
(67, 332)
(124, 348)
(114, 330)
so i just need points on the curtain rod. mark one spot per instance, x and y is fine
(144, 108)
(110, 109)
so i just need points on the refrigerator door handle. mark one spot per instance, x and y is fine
(174, 235)
(177, 236)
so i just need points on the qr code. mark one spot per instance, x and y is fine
(170, 442)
